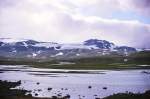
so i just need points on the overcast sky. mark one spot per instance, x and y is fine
(124, 22)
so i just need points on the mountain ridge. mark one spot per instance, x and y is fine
(36, 49)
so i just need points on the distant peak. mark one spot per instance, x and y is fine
(99, 43)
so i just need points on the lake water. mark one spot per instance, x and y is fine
(76, 82)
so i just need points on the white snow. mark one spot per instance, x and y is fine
(47, 45)
(25, 44)
(64, 63)
(99, 52)
(14, 51)
(2, 44)
(77, 54)
(34, 54)
(77, 46)
(38, 52)
(125, 60)
(114, 50)
(59, 54)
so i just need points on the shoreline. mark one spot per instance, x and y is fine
(8, 91)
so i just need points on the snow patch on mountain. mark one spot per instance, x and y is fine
(34, 54)
(46, 45)
(77, 46)
(59, 54)
(77, 54)
(14, 51)
(25, 44)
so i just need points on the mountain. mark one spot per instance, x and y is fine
(103, 44)
(24, 48)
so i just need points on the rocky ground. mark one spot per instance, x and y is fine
(8, 91)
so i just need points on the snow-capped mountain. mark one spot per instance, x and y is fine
(103, 44)
(36, 49)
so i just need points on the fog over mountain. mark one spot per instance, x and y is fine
(124, 22)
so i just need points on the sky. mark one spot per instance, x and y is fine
(123, 22)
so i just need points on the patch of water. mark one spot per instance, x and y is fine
(85, 84)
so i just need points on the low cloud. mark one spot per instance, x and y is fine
(141, 7)
(65, 21)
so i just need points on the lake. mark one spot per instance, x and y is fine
(85, 84)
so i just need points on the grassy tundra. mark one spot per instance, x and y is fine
(140, 60)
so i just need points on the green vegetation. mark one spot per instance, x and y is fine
(130, 95)
(7, 92)
(140, 60)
